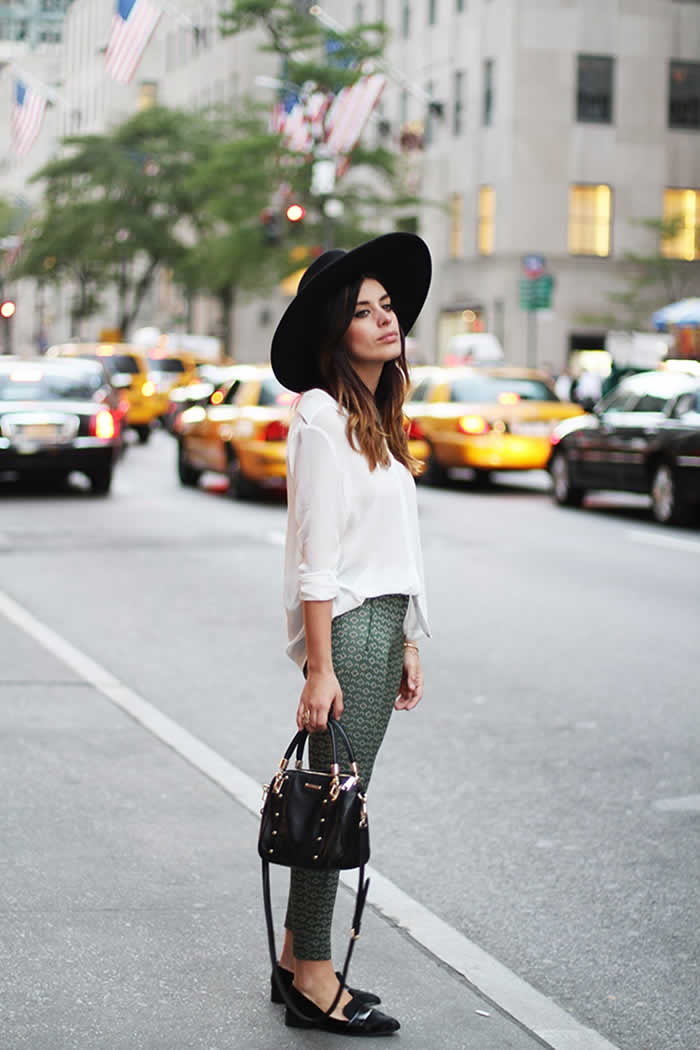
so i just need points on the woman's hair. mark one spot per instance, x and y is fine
(375, 424)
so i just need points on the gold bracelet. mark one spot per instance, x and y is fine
(410, 645)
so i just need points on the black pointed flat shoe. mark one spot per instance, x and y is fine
(286, 977)
(361, 1018)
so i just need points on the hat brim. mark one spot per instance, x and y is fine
(400, 261)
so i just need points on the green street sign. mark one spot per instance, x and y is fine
(536, 294)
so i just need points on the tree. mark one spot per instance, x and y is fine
(652, 280)
(315, 59)
(116, 208)
(233, 184)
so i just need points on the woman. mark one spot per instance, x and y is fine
(354, 590)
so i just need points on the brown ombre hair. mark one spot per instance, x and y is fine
(375, 424)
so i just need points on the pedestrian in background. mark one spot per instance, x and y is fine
(353, 586)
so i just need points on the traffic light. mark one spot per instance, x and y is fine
(271, 225)
(295, 212)
(7, 308)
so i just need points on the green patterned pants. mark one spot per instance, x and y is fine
(368, 662)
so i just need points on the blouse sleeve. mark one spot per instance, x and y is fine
(318, 507)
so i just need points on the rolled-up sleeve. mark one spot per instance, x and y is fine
(318, 510)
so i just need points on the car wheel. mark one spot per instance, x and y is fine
(565, 494)
(101, 480)
(482, 479)
(666, 505)
(144, 433)
(187, 474)
(240, 487)
(434, 473)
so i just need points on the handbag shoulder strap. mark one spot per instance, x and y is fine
(361, 896)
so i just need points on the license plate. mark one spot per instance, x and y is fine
(38, 432)
(532, 429)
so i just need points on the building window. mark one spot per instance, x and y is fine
(456, 246)
(487, 111)
(432, 12)
(459, 6)
(682, 209)
(684, 95)
(594, 99)
(148, 95)
(406, 20)
(458, 111)
(359, 13)
(381, 11)
(484, 237)
(589, 220)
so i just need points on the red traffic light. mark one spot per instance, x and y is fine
(295, 212)
(7, 308)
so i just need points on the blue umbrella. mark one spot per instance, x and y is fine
(683, 314)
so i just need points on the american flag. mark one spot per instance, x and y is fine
(132, 26)
(28, 107)
(350, 112)
(338, 121)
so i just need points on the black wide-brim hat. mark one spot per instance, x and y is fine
(399, 261)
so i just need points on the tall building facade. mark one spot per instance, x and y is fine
(528, 128)
(559, 126)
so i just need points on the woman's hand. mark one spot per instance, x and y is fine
(411, 689)
(321, 692)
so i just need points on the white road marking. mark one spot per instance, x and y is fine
(530, 1008)
(685, 804)
(659, 540)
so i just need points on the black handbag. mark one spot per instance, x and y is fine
(315, 820)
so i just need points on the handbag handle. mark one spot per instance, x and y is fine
(335, 729)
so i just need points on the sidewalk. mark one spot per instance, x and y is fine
(130, 896)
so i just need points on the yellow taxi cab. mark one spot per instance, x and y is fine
(128, 371)
(169, 369)
(243, 436)
(484, 418)
(242, 433)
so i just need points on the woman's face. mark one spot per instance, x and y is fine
(372, 338)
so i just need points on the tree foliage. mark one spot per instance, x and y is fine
(653, 279)
(114, 209)
(187, 191)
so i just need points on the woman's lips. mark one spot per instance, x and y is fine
(390, 337)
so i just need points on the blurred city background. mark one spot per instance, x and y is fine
(167, 172)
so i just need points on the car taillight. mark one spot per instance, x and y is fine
(275, 431)
(473, 425)
(123, 407)
(148, 389)
(102, 425)
(554, 438)
(414, 431)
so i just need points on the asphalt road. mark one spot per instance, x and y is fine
(543, 799)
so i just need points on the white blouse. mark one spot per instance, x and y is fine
(352, 533)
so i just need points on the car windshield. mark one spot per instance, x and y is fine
(273, 393)
(484, 389)
(114, 363)
(165, 364)
(41, 384)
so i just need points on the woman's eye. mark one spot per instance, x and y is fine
(361, 313)
(389, 307)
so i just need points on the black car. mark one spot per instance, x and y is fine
(55, 417)
(643, 437)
